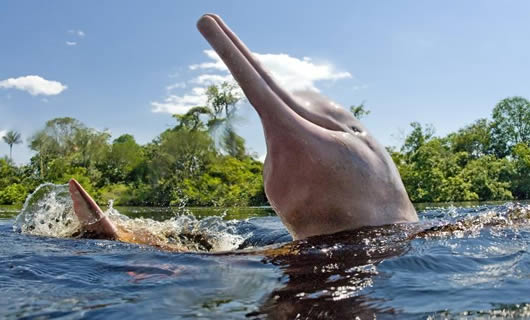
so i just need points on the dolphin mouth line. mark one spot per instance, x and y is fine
(282, 95)
(250, 59)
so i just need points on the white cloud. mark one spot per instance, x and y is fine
(217, 64)
(181, 104)
(2, 133)
(178, 85)
(35, 85)
(79, 33)
(295, 74)
(210, 79)
(290, 72)
(76, 34)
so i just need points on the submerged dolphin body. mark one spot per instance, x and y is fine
(96, 224)
(324, 172)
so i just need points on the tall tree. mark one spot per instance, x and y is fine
(191, 120)
(11, 138)
(59, 135)
(521, 178)
(417, 138)
(222, 99)
(67, 140)
(218, 113)
(122, 159)
(233, 143)
(475, 139)
(511, 124)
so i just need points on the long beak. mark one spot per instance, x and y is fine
(270, 101)
(92, 218)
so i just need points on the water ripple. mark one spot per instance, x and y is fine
(457, 263)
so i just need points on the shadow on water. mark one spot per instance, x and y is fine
(326, 276)
(343, 276)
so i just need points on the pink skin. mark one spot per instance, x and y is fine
(92, 218)
(95, 224)
(324, 173)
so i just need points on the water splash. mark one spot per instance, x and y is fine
(470, 222)
(49, 212)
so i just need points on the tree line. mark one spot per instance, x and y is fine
(202, 161)
(486, 160)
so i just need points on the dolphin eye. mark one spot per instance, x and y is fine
(356, 130)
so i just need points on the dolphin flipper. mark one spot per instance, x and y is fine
(94, 222)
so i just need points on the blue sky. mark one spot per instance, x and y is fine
(124, 65)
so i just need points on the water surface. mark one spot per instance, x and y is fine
(478, 267)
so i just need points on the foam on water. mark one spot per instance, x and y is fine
(49, 212)
(210, 234)
(456, 262)
(470, 222)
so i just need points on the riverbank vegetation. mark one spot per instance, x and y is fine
(485, 160)
(202, 161)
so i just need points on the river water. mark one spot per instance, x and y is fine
(459, 262)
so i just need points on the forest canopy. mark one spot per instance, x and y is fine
(202, 161)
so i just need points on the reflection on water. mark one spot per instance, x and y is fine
(328, 275)
(458, 262)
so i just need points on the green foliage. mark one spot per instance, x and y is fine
(65, 172)
(12, 188)
(225, 182)
(122, 161)
(486, 160)
(120, 194)
(222, 99)
(8, 173)
(233, 144)
(511, 124)
(417, 137)
(68, 140)
(191, 120)
(359, 111)
(454, 168)
(521, 178)
(474, 139)
(182, 153)
(13, 194)
(488, 177)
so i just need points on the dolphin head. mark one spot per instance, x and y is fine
(324, 172)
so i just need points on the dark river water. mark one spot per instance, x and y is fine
(458, 262)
